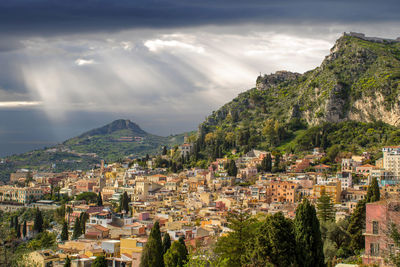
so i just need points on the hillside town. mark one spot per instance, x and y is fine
(117, 204)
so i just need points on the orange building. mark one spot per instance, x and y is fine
(281, 191)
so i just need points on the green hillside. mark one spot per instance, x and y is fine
(351, 100)
(119, 139)
(112, 142)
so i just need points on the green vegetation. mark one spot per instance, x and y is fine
(176, 255)
(326, 210)
(89, 197)
(357, 220)
(100, 261)
(269, 240)
(152, 254)
(64, 233)
(124, 203)
(309, 246)
(299, 112)
(13, 246)
(119, 139)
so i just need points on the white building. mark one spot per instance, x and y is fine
(391, 160)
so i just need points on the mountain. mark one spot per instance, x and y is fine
(353, 93)
(111, 142)
(118, 139)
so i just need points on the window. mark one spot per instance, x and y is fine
(375, 227)
(374, 249)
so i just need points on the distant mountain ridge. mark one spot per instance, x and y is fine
(115, 126)
(111, 142)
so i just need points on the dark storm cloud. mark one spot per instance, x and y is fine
(54, 17)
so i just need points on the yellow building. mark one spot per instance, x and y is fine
(132, 245)
(20, 194)
(333, 189)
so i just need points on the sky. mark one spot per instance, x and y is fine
(70, 66)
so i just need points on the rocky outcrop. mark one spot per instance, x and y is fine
(371, 109)
(272, 80)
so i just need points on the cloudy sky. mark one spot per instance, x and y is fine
(70, 66)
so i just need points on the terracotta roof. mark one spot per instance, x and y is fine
(366, 166)
(101, 228)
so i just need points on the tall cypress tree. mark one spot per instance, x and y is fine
(38, 222)
(16, 223)
(356, 227)
(166, 243)
(309, 246)
(18, 231)
(232, 169)
(82, 220)
(77, 229)
(64, 233)
(373, 193)
(67, 262)
(99, 200)
(266, 163)
(152, 255)
(24, 229)
(125, 202)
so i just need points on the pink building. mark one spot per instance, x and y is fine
(144, 216)
(379, 217)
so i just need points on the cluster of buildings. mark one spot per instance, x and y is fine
(194, 203)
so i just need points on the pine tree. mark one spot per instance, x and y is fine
(24, 229)
(64, 233)
(152, 255)
(38, 222)
(99, 200)
(274, 243)
(77, 229)
(309, 246)
(326, 210)
(166, 242)
(232, 247)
